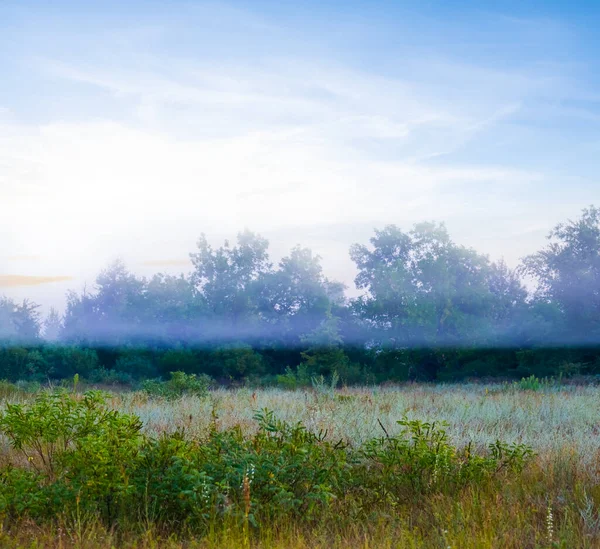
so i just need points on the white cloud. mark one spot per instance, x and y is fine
(286, 146)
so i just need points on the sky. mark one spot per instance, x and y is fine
(127, 129)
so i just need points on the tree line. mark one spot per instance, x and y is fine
(428, 309)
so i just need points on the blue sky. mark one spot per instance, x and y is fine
(128, 128)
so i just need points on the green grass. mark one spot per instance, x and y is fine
(553, 502)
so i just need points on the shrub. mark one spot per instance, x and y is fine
(76, 446)
(109, 377)
(65, 362)
(420, 459)
(237, 361)
(178, 360)
(178, 385)
(532, 383)
(137, 366)
(85, 460)
(19, 363)
(294, 379)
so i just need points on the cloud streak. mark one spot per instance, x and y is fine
(16, 281)
(24, 257)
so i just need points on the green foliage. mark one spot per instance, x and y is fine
(530, 383)
(237, 361)
(420, 459)
(533, 383)
(66, 361)
(325, 387)
(178, 385)
(568, 274)
(430, 309)
(325, 355)
(14, 363)
(78, 450)
(83, 459)
(19, 323)
(138, 365)
(423, 290)
(295, 379)
(178, 360)
(110, 377)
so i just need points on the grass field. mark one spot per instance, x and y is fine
(553, 502)
(551, 420)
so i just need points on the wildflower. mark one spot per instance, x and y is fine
(550, 524)
(246, 492)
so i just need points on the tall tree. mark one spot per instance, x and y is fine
(422, 289)
(228, 278)
(296, 297)
(19, 322)
(567, 272)
(53, 326)
(115, 313)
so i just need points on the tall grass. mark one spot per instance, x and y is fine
(552, 420)
(553, 502)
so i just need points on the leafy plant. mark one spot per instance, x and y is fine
(420, 459)
(533, 383)
(76, 444)
(178, 385)
(295, 379)
(84, 459)
(110, 377)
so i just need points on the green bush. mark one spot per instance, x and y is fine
(178, 385)
(238, 361)
(76, 446)
(137, 366)
(178, 360)
(109, 377)
(65, 362)
(420, 459)
(532, 383)
(22, 363)
(294, 379)
(84, 460)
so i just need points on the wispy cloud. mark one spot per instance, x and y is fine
(24, 257)
(174, 136)
(14, 281)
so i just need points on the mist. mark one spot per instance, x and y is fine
(417, 293)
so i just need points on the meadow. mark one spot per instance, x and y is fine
(518, 467)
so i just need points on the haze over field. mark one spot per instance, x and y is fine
(126, 130)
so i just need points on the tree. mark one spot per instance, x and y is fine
(115, 314)
(295, 298)
(19, 322)
(510, 315)
(53, 326)
(228, 281)
(174, 310)
(567, 272)
(422, 289)
(325, 354)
